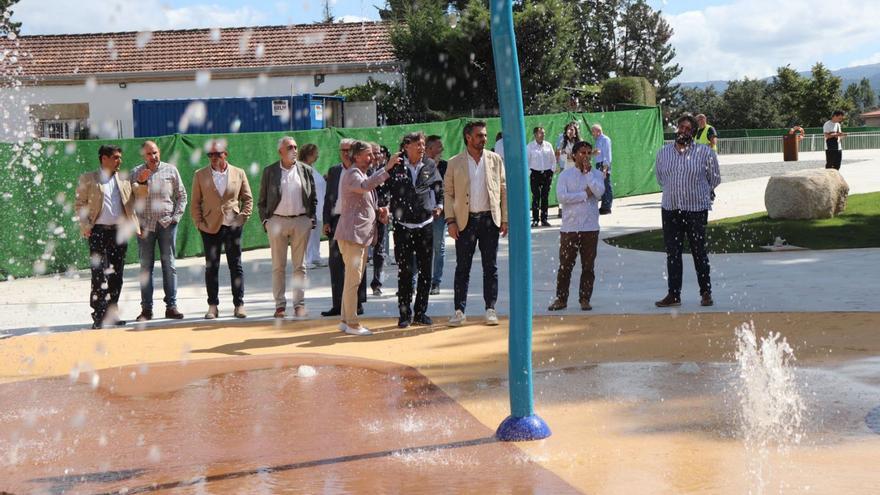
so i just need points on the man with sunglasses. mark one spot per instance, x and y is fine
(221, 204)
(287, 207)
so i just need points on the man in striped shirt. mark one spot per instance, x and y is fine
(688, 175)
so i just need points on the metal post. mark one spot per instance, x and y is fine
(523, 423)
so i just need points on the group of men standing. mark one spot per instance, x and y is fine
(425, 196)
(544, 162)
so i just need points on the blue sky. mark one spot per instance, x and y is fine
(714, 39)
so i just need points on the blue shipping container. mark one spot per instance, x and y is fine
(225, 115)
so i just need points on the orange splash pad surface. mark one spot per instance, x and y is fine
(637, 404)
(254, 425)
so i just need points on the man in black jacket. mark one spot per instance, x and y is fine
(287, 207)
(332, 210)
(416, 190)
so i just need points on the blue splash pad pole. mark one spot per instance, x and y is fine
(523, 423)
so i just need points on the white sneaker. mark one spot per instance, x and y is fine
(361, 330)
(491, 317)
(342, 326)
(458, 319)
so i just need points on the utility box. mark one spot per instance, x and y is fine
(790, 146)
(237, 115)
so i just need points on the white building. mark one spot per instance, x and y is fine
(65, 86)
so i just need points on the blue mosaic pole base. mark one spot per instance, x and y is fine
(515, 429)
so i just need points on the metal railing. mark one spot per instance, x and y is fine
(811, 142)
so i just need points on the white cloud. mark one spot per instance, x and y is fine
(754, 37)
(94, 16)
(873, 59)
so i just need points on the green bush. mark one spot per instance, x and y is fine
(627, 90)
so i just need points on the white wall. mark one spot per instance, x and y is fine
(109, 104)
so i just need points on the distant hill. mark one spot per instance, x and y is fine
(849, 75)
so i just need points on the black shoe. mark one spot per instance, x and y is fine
(377, 292)
(668, 301)
(331, 312)
(96, 325)
(604, 211)
(403, 321)
(146, 315)
(360, 310)
(534, 224)
(119, 323)
(422, 320)
(706, 299)
(545, 223)
(435, 289)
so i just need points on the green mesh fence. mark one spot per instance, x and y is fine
(38, 179)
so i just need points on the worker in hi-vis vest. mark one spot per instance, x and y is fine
(706, 133)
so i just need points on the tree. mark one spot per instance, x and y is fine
(861, 98)
(706, 101)
(788, 92)
(6, 25)
(327, 13)
(644, 48)
(748, 105)
(451, 69)
(822, 97)
(544, 61)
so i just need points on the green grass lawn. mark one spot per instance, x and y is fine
(857, 227)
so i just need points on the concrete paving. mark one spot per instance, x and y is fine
(627, 282)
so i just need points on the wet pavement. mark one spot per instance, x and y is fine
(253, 425)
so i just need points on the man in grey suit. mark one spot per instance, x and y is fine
(287, 207)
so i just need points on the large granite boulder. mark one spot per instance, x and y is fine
(806, 194)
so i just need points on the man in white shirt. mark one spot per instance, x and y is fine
(287, 206)
(542, 166)
(475, 206)
(105, 209)
(833, 140)
(579, 190)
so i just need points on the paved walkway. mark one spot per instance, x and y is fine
(627, 281)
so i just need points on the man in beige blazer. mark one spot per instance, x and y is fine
(475, 199)
(221, 204)
(106, 211)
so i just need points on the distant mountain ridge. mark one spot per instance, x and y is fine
(849, 75)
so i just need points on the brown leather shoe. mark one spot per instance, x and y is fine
(173, 313)
(585, 306)
(668, 301)
(279, 312)
(706, 300)
(240, 312)
(557, 305)
(146, 315)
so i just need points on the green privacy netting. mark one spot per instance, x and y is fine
(38, 180)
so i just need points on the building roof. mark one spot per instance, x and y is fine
(335, 47)
(872, 113)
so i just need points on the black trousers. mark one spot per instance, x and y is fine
(228, 238)
(480, 231)
(107, 255)
(540, 182)
(677, 225)
(833, 159)
(379, 255)
(337, 271)
(409, 243)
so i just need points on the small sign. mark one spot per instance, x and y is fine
(319, 112)
(280, 108)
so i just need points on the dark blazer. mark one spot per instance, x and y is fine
(330, 195)
(412, 202)
(270, 190)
